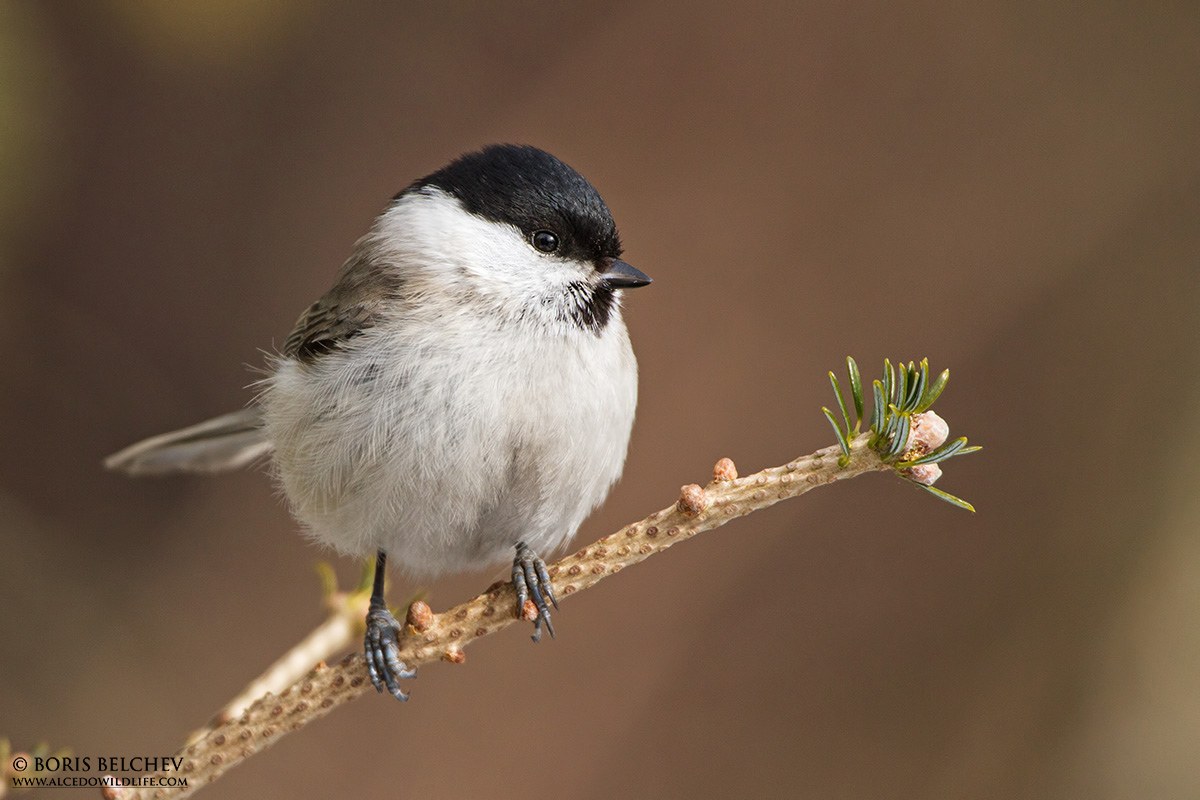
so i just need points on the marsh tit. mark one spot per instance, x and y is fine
(463, 394)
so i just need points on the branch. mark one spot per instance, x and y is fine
(902, 440)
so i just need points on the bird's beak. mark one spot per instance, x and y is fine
(620, 275)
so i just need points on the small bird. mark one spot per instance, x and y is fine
(463, 394)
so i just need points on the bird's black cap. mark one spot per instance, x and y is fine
(532, 190)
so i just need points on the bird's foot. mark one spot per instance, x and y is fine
(382, 647)
(529, 577)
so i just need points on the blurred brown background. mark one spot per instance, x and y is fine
(1012, 189)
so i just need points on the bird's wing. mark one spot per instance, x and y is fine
(367, 285)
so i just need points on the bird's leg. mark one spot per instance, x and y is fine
(382, 640)
(529, 578)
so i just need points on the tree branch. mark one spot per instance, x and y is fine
(903, 438)
(433, 637)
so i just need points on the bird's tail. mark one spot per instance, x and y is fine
(225, 442)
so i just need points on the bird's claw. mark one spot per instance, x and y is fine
(382, 647)
(530, 578)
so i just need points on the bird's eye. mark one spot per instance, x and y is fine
(545, 241)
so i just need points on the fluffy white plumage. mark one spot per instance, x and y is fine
(463, 393)
(470, 416)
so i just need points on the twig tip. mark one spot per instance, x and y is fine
(924, 474)
(725, 470)
(928, 431)
(420, 616)
(529, 611)
(692, 500)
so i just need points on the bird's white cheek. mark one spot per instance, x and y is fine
(442, 248)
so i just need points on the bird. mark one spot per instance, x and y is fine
(462, 395)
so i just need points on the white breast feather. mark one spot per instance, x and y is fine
(471, 417)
